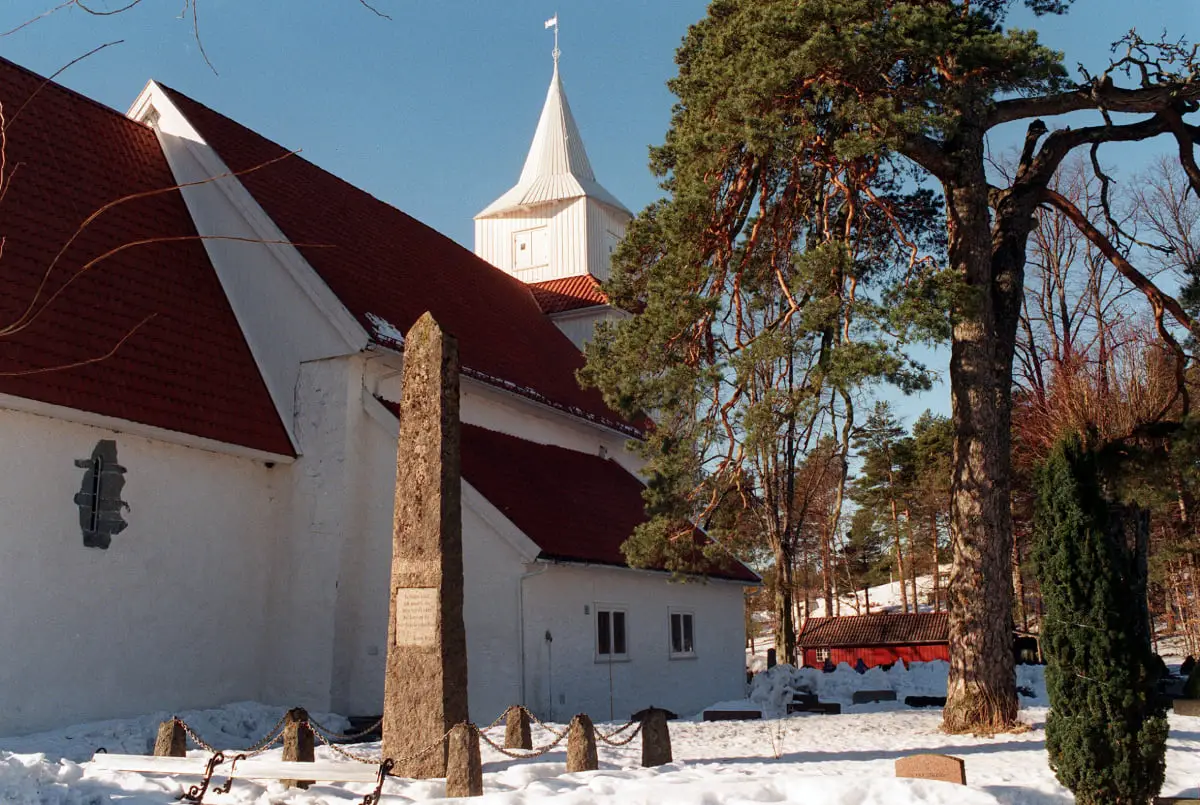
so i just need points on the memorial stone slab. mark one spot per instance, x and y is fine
(872, 696)
(425, 690)
(946, 768)
(1186, 707)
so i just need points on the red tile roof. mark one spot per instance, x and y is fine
(875, 630)
(568, 293)
(187, 368)
(385, 263)
(577, 507)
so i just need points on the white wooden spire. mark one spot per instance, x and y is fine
(557, 166)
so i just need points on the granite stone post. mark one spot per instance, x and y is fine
(299, 742)
(581, 745)
(656, 738)
(516, 729)
(464, 768)
(425, 691)
(171, 740)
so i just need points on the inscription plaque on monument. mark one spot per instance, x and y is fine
(416, 616)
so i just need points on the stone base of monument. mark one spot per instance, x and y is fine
(1186, 707)
(946, 768)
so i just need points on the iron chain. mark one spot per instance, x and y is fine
(535, 753)
(344, 736)
(608, 739)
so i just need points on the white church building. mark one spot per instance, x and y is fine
(200, 356)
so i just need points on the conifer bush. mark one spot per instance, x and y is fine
(1106, 732)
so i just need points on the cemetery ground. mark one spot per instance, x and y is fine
(830, 759)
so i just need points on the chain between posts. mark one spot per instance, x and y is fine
(262, 745)
(344, 736)
(609, 738)
(373, 760)
(533, 753)
(541, 723)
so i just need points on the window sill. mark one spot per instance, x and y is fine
(691, 656)
(607, 660)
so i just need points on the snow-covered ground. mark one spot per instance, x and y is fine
(835, 760)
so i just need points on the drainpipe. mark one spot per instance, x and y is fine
(541, 568)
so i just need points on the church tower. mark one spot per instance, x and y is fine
(556, 229)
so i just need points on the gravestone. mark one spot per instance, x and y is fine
(732, 715)
(933, 767)
(171, 740)
(1186, 707)
(425, 692)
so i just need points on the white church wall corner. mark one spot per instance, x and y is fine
(171, 616)
(565, 675)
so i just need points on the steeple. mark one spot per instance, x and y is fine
(557, 228)
(557, 165)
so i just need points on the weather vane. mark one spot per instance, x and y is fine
(553, 23)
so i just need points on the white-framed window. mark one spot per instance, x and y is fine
(611, 638)
(530, 248)
(683, 633)
(821, 654)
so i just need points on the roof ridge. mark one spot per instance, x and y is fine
(297, 154)
(50, 82)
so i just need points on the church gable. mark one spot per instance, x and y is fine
(129, 322)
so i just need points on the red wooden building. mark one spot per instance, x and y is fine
(875, 639)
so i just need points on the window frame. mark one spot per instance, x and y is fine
(609, 609)
(817, 652)
(681, 613)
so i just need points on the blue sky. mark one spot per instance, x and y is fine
(433, 110)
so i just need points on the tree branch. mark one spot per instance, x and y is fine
(1100, 95)
(1158, 300)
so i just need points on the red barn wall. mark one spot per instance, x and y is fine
(880, 655)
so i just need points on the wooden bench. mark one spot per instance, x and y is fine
(249, 768)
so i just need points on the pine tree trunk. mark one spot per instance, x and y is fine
(981, 690)
(899, 557)
(785, 624)
(912, 559)
(937, 574)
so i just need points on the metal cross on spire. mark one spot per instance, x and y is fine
(553, 23)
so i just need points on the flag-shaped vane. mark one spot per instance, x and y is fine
(552, 22)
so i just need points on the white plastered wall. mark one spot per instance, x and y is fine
(563, 676)
(171, 616)
(492, 564)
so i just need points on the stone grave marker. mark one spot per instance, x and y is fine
(946, 768)
(425, 691)
(1186, 707)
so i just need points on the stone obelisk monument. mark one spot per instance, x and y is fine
(425, 693)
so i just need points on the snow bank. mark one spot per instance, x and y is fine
(772, 690)
(234, 726)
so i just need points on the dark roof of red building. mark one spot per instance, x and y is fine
(182, 363)
(875, 630)
(382, 262)
(577, 507)
(568, 293)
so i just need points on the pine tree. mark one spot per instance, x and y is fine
(1106, 733)
(787, 105)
